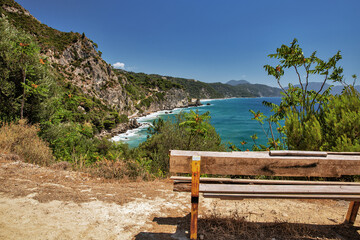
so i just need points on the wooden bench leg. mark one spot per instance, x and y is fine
(352, 212)
(195, 182)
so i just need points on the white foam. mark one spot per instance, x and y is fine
(129, 134)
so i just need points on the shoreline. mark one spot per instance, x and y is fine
(142, 121)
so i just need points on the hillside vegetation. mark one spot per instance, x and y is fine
(71, 97)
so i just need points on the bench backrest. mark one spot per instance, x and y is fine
(274, 163)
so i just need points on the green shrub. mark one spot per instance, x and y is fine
(123, 118)
(70, 141)
(341, 122)
(172, 134)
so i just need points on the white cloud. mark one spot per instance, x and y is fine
(119, 65)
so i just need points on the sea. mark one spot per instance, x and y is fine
(230, 117)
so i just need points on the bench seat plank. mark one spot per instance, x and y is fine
(260, 163)
(281, 196)
(179, 179)
(279, 189)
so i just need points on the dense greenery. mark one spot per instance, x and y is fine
(188, 131)
(246, 90)
(30, 89)
(314, 120)
(25, 80)
(47, 37)
(197, 89)
(144, 88)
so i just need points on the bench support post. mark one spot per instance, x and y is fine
(352, 212)
(195, 182)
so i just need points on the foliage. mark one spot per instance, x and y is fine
(314, 120)
(47, 37)
(175, 134)
(197, 89)
(341, 122)
(196, 124)
(22, 139)
(276, 139)
(245, 90)
(24, 77)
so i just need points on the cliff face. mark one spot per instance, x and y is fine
(174, 98)
(82, 65)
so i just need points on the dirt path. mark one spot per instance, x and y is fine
(44, 203)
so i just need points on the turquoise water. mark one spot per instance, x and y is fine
(230, 117)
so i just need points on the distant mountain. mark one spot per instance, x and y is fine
(317, 85)
(237, 82)
(198, 89)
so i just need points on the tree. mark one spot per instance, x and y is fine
(301, 100)
(22, 71)
(186, 131)
(310, 115)
(196, 124)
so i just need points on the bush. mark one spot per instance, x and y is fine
(176, 134)
(341, 122)
(22, 139)
(71, 141)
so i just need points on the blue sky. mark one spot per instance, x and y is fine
(211, 41)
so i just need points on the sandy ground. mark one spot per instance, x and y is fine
(45, 203)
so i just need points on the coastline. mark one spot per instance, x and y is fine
(137, 135)
(143, 122)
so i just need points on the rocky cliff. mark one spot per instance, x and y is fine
(81, 64)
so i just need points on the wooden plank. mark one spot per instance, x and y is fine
(352, 212)
(260, 163)
(297, 153)
(186, 186)
(179, 179)
(278, 189)
(343, 153)
(195, 182)
(280, 196)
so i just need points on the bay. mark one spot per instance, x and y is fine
(230, 117)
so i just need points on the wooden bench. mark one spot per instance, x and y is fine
(273, 163)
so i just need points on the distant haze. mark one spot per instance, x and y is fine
(317, 85)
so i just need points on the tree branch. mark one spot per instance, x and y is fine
(278, 81)
(299, 78)
(320, 89)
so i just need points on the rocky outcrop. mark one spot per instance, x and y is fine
(121, 128)
(195, 103)
(82, 65)
(174, 98)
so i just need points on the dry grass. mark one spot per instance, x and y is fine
(118, 169)
(21, 139)
(235, 226)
